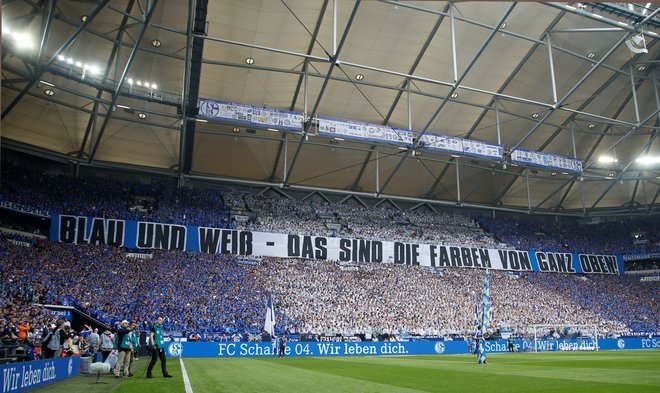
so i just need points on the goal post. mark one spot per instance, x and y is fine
(565, 338)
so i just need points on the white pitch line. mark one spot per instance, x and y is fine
(186, 381)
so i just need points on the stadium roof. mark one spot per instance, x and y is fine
(563, 78)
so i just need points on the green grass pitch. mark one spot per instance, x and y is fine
(604, 371)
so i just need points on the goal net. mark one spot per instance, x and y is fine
(564, 338)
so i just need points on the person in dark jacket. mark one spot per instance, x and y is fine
(125, 346)
(157, 342)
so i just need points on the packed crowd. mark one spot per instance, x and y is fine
(274, 212)
(611, 237)
(21, 321)
(200, 292)
(621, 298)
(103, 197)
(394, 299)
(215, 296)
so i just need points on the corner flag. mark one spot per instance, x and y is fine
(269, 323)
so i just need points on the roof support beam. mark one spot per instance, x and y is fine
(192, 80)
(89, 111)
(619, 177)
(303, 77)
(335, 62)
(185, 88)
(264, 48)
(367, 160)
(572, 90)
(42, 68)
(455, 86)
(634, 193)
(476, 187)
(101, 101)
(508, 32)
(46, 30)
(115, 94)
(620, 109)
(547, 198)
(406, 87)
(125, 45)
(637, 28)
(310, 48)
(497, 96)
(415, 64)
(29, 17)
(571, 118)
(628, 134)
(655, 198)
(115, 48)
(493, 100)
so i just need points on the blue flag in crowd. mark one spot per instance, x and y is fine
(485, 316)
(269, 324)
(485, 321)
(476, 318)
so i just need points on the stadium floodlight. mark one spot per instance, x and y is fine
(61, 57)
(147, 85)
(79, 64)
(154, 86)
(637, 44)
(94, 69)
(139, 83)
(648, 160)
(607, 159)
(130, 81)
(69, 61)
(23, 41)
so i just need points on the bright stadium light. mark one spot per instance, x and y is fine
(607, 159)
(648, 160)
(23, 41)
